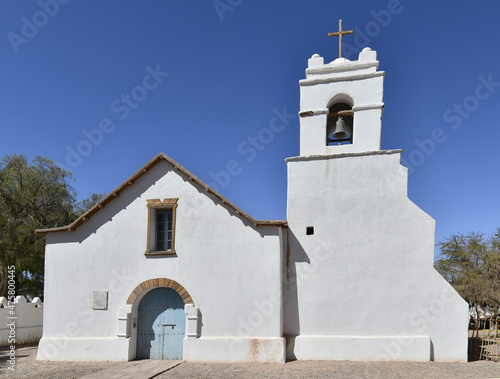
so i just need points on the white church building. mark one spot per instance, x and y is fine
(164, 267)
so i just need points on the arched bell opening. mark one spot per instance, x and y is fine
(340, 125)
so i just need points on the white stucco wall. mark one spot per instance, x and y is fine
(231, 269)
(23, 323)
(363, 286)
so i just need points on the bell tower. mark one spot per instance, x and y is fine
(341, 105)
(354, 239)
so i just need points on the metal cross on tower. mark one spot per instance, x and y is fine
(340, 33)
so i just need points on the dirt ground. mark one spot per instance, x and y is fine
(28, 367)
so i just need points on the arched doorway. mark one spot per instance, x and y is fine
(161, 325)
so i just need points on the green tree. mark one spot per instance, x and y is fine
(32, 196)
(492, 273)
(88, 203)
(471, 264)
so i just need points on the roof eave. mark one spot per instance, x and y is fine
(130, 181)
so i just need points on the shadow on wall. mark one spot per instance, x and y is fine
(295, 253)
(24, 322)
(128, 196)
(114, 207)
(207, 199)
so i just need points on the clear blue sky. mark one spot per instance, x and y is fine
(66, 65)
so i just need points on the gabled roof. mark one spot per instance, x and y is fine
(144, 170)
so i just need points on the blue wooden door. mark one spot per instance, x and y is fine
(161, 325)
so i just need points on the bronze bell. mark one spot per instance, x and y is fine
(340, 131)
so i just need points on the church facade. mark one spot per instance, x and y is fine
(164, 267)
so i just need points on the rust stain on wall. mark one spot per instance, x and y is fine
(254, 349)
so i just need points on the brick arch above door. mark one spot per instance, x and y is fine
(159, 282)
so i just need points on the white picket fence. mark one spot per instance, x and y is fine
(23, 323)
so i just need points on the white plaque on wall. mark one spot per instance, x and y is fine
(100, 300)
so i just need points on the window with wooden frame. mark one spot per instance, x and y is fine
(161, 226)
